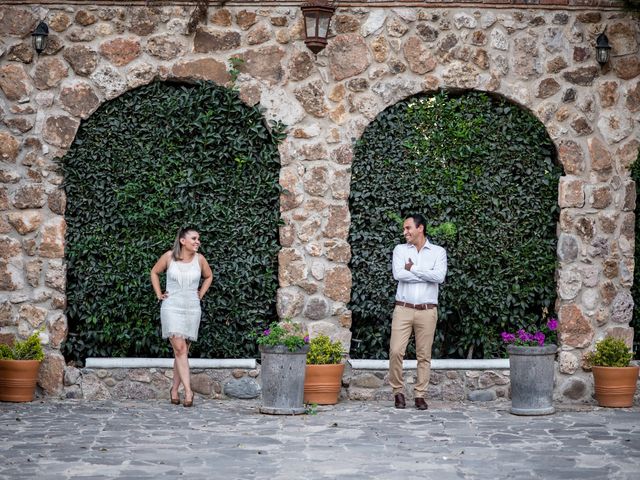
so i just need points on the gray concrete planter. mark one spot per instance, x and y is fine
(282, 376)
(532, 375)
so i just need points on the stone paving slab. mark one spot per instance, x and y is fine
(352, 440)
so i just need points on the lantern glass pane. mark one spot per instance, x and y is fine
(602, 55)
(323, 28)
(38, 43)
(311, 22)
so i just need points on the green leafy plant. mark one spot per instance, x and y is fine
(311, 409)
(154, 159)
(290, 334)
(445, 231)
(322, 351)
(609, 352)
(483, 172)
(29, 349)
(234, 71)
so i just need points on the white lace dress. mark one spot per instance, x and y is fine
(180, 311)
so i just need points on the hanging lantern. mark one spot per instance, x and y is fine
(39, 36)
(317, 18)
(603, 49)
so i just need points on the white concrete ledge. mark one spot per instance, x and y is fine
(250, 363)
(436, 364)
(131, 362)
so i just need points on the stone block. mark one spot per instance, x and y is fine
(571, 192)
(245, 388)
(72, 376)
(201, 383)
(481, 396)
(316, 308)
(575, 329)
(348, 56)
(51, 374)
(338, 283)
(9, 147)
(133, 390)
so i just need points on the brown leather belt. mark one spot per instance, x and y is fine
(421, 306)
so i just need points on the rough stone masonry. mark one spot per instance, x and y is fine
(541, 57)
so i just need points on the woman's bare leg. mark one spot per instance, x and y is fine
(181, 365)
(175, 387)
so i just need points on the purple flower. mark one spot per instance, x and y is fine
(508, 337)
(306, 339)
(266, 332)
(524, 336)
(527, 337)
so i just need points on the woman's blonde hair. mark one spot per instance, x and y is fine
(182, 232)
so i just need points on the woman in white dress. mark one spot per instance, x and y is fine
(180, 311)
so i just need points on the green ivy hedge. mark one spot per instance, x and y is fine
(157, 158)
(483, 173)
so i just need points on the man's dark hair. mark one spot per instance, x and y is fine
(419, 220)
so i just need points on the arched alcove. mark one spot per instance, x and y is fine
(483, 171)
(155, 159)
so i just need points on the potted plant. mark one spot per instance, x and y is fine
(531, 366)
(615, 380)
(283, 348)
(323, 377)
(19, 366)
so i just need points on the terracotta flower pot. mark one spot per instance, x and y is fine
(18, 380)
(322, 383)
(615, 386)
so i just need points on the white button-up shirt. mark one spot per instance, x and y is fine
(420, 284)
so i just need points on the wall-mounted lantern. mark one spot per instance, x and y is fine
(39, 36)
(317, 17)
(603, 49)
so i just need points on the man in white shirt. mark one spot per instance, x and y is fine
(419, 267)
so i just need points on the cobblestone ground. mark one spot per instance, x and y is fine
(352, 440)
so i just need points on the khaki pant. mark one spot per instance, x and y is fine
(423, 324)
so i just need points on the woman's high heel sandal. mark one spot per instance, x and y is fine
(188, 403)
(174, 401)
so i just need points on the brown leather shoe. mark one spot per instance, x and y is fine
(421, 404)
(188, 403)
(400, 401)
(174, 401)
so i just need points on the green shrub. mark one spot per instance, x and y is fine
(29, 349)
(610, 352)
(483, 173)
(144, 164)
(290, 334)
(322, 351)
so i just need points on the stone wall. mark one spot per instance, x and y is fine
(154, 383)
(358, 385)
(541, 58)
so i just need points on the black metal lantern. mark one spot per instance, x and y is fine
(39, 36)
(603, 49)
(317, 17)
